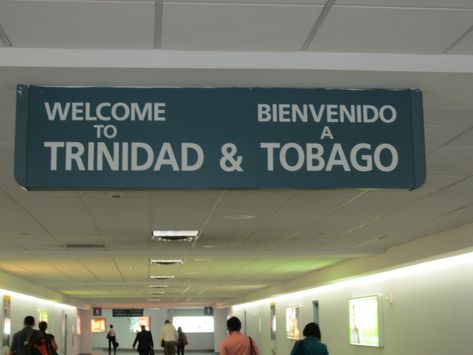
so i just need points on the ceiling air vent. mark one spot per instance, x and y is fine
(84, 246)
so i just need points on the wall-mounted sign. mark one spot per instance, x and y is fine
(128, 312)
(97, 311)
(218, 138)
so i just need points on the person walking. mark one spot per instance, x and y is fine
(50, 342)
(145, 341)
(181, 341)
(237, 343)
(311, 344)
(168, 338)
(18, 344)
(112, 340)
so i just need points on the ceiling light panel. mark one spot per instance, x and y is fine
(167, 261)
(162, 277)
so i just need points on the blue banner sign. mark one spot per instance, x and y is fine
(146, 138)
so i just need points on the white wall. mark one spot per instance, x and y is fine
(431, 314)
(56, 326)
(220, 319)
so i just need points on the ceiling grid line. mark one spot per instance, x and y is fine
(277, 245)
(458, 40)
(91, 216)
(400, 209)
(158, 24)
(29, 214)
(86, 268)
(209, 216)
(318, 23)
(118, 269)
(4, 37)
(60, 271)
(451, 140)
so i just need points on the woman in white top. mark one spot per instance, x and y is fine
(112, 340)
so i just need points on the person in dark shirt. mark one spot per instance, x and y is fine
(51, 345)
(311, 345)
(19, 338)
(144, 340)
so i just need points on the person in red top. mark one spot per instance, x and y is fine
(237, 343)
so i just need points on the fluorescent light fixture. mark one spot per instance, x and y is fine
(158, 286)
(175, 235)
(157, 293)
(167, 261)
(36, 299)
(162, 277)
(403, 272)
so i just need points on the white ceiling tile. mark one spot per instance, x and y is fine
(79, 24)
(465, 139)
(448, 117)
(390, 30)
(436, 136)
(7, 132)
(411, 3)
(465, 46)
(237, 26)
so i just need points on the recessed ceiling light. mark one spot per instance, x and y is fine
(167, 261)
(157, 293)
(175, 235)
(158, 286)
(162, 277)
(239, 217)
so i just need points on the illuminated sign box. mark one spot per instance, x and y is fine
(194, 324)
(98, 325)
(365, 319)
(137, 322)
(293, 322)
(139, 138)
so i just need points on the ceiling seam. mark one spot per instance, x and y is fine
(94, 222)
(404, 207)
(207, 220)
(4, 37)
(158, 24)
(30, 214)
(320, 219)
(318, 23)
(60, 271)
(118, 269)
(451, 140)
(85, 267)
(458, 40)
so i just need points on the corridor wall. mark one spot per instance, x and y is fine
(62, 322)
(426, 311)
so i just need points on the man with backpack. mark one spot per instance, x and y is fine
(20, 338)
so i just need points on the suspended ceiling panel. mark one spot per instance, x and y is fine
(237, 26)
(391, 30)
(465, 46)
(79, 24)
(411, 3)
